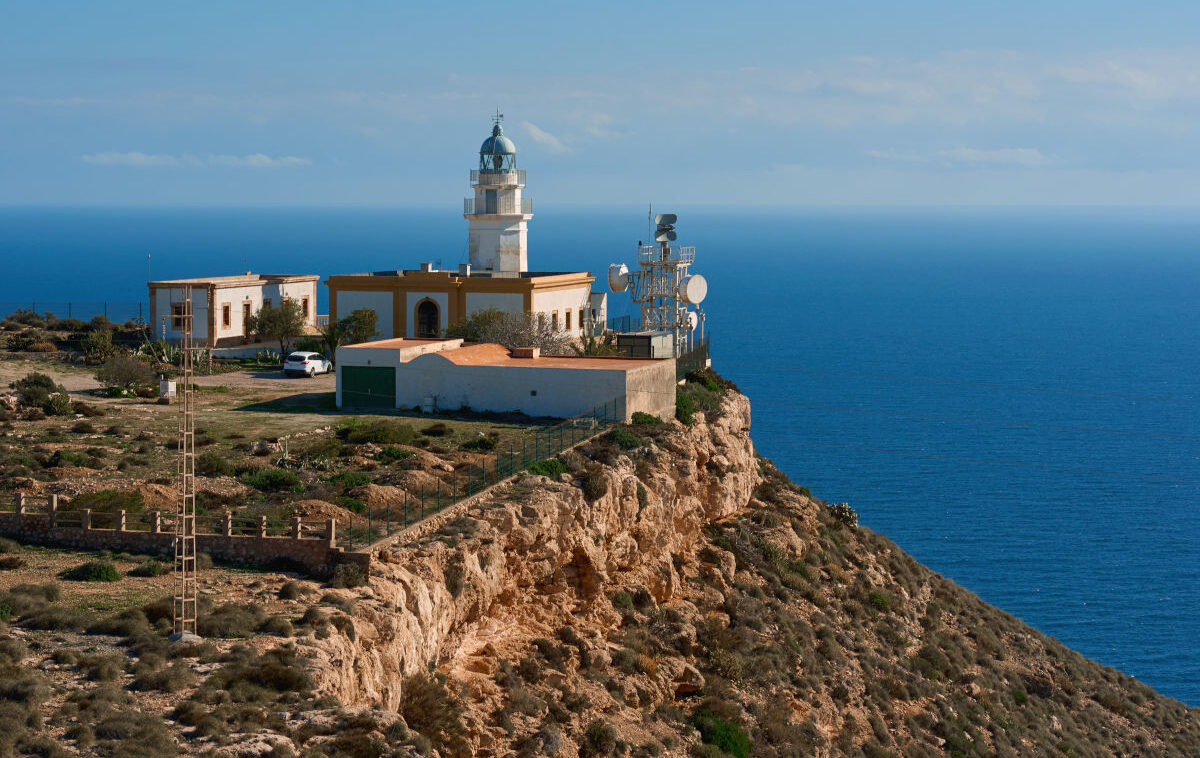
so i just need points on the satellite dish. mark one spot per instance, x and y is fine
(667, 219)
(693, 289)
(693, 320)
(618, 277)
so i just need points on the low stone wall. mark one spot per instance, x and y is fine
(318, 554)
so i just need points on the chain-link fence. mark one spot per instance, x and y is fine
(382, 521)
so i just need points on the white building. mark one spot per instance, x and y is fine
(423, 302)
(222, 305)
(448, 375)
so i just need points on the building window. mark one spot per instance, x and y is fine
(580, 318)
(176, 315)
(226, 316)
(554, 321)
(567, 323)
(247, 309)
(304, 307)
(541, 322)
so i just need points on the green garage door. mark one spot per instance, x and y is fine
(368, 387)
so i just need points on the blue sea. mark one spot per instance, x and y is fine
(1012, 395)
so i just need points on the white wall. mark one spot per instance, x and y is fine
(164, 297)
(561, 300)
(235, 296)
(380, 302)
(411, 300)
(509, 302)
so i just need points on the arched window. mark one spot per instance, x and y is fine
(429, 321)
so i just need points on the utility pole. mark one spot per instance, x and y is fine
(184, 605)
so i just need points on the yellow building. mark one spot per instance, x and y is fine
(423, 302)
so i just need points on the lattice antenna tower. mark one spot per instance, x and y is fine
(184, 605)
(663, 285)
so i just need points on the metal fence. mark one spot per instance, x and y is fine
(119, 311)
(693, 360)
(464, 482)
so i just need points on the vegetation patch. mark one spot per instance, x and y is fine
(93, 571)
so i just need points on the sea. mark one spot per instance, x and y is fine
(1010, 394)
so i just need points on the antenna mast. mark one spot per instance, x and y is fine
(184, 605)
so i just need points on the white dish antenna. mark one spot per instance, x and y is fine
(693, 289)
(618, 277)
(693, 320)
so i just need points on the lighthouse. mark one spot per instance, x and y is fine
(497, 216)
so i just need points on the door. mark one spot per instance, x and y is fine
(245, 319)
(429, 320)
(368, 387)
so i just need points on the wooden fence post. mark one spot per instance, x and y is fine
(156, 522)
(331, 531)
(52, 510)
(262, 526)
(120, 527)
(227, 525)
(85, 518)
(295, 527)
(21, 503)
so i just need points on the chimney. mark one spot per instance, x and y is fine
(526, 352)
(464, 269)
(427, 266)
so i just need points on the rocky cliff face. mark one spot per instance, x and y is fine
(516, 564)
(674, 594)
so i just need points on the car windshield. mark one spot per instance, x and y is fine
(297, 357)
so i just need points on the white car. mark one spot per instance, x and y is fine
(307, 364)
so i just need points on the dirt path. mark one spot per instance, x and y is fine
(270, 380)
(72, 378)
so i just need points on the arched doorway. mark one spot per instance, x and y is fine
(428, 319)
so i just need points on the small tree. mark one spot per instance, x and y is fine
(283, 323)
(360, 326)
(596, 345)
(125, 372)
(511, 330)
(97, 345)
(36, 389)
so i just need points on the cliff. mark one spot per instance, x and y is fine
(673, 593)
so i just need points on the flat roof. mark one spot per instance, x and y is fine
(491, 354)
(238, 280)
(473, 275)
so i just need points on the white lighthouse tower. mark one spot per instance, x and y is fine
(497, 215)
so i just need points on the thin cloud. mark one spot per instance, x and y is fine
(544, 138)
(150, 160)
(1029, 157)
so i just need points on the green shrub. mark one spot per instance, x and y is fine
(348, 480)
(622, 601)
(684, 407)
(212, 463)
(391, 454)
(111, 501)
(705, 378)
(880, 601)
(626, 440)
(844, 514)
(93, 571)
(378, 431)
(272, 480)
(291, 590)
(600, 739)
(437, 429)
(148, 568)
(642, 497)
(10, 562)
(67, 458)
(59, 405)
(430, 709)
(231, 620)
(36, 389)
(550, 467)
(726, 735)
(645, 418)
(352, 504)
(9, 546)
(348, 575)
(595, 485)
(482, 444)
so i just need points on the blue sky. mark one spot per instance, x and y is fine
(385, 103)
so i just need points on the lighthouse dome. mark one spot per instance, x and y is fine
(498, 144)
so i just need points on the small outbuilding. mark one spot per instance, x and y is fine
(449, 375)
(222, 305)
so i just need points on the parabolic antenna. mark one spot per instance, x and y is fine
(618, 277)
(693, 320)
(692, 289)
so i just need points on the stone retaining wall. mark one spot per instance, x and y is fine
(319, 554)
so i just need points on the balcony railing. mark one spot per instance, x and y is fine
(498, 178)
(504, 206)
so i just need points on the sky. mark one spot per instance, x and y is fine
(853, 102)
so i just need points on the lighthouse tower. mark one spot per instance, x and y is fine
(497, 215)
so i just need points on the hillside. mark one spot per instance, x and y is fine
(665, 592)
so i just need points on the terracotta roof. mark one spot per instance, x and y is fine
(398, 343)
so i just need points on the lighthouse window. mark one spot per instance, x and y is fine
(489, 201)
